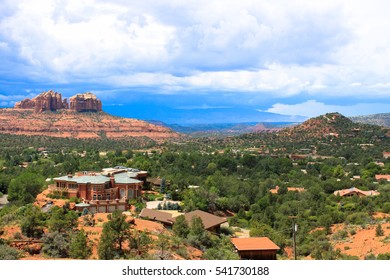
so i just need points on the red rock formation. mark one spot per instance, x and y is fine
(72, 124)
(25, 104)
(85, 102)
(46, 101)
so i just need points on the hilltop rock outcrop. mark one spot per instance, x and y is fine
(52, 101)
(36, 117)
(85, 102)
(46, 101)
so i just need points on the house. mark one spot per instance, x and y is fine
(157, 216)
(289, 189)
(106, 191)
(210, 222)
(382, 177)
(355, 191)
(255, 248)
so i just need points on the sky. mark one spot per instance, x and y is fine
(167, 59)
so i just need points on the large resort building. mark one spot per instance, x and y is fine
(105, 191)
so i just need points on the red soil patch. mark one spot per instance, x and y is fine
(10, 231)
(289, 252)
(42, 199)
(380, 215)
(153, 227)
(364, 242)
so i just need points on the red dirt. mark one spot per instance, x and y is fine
(42, 199)
(364, 242)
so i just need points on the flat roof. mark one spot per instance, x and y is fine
(254, 244)
(124, 178)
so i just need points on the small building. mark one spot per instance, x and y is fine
(210, 222)
(255, 248)
(355, 191)
(382, 177)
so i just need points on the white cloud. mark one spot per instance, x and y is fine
(312, 108)
(279, 48)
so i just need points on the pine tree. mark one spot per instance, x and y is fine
(79, 248)
(181, 227)
(379, 231)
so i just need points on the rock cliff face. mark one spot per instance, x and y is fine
(85, 102)
(68, 123)
(46, 101)
(52, 101)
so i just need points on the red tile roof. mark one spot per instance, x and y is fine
(379, 177)
(254, 244)
(353, 191)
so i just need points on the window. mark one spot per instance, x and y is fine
(108, 196)
(99, 197)
(94, 197)
(122, 193)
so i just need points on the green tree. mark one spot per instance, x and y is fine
(181, 227)
(115, 232)
(163, 244)
(79, 247)
(62, 220)
(141, 242)
(222, 249)
(106, 246)
(379, 231)
(25, 187)
(198, 236)
(32, 223)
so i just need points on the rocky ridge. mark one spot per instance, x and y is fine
(52, 101)
(49, 115)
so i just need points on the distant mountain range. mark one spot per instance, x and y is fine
(225, 129)
(377, 119)
(195, 116)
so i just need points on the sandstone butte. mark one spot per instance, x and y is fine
(49, 115)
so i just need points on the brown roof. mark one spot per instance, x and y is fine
(156, 215)
(208, 220)
(254, 243)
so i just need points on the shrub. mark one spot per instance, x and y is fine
(340, 235)
(385, 256)
(379, 231)
(56, 245)
(9, 253)
(370, 257)
(358, 218)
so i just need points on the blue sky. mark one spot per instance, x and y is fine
(290, 57)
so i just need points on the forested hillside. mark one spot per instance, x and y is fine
(235, 177)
